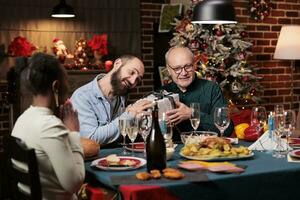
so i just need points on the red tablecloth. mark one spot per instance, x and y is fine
(137, 192)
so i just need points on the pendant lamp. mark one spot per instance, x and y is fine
(214, 12)
(62, 10)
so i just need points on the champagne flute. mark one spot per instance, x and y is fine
(144, 124)
(259, 118)
(132, 130)
(122, 128)
(195, 117)
(289, 125)
(221, 119)
(166, 129)
(279, 121)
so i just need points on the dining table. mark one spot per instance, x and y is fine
(265, 177)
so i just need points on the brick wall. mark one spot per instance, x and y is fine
(275, 73)
(264, 34)
(150, 12)
(4, 114)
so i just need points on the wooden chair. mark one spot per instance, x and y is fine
(15, 149)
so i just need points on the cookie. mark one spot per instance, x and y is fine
(155, 174)
(143, 176)
(171, 173)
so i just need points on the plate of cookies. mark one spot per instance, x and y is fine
(169, 173)
(119, 163)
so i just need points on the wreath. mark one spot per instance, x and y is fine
(260, 9)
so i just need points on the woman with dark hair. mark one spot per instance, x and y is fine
(55, 139)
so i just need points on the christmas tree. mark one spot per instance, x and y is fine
(220, 54)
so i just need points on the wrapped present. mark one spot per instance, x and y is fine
(165, 100)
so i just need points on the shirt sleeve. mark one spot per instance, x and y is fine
(65, 153)
(92, 126)
(207, 120)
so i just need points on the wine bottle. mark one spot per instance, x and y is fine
(155, 146)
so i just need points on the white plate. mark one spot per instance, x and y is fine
(137, 147)
(294, 143)
(295, 153)
(102, 164)
(217, 158)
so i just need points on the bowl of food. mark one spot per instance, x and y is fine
(196, 136)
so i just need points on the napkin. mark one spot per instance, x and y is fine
(193, 165)
(267, 143)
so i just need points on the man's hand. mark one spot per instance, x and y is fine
(139, 106)
(179, 114)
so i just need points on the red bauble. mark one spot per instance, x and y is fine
(244, 34)
(219, 33)
(84, 69)
(108, 65)
(245, 78)
(204, 45)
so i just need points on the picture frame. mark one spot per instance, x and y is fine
(167, 15)
(165, 77)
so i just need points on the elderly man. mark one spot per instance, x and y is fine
(179, 62)
(99, 102)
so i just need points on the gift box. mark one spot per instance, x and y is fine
(165, 100)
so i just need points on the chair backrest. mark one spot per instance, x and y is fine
(15, 149)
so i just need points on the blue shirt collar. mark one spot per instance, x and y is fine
(95, 87)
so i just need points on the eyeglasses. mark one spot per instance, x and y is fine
(187, 68)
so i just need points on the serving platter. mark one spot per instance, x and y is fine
(221, 158)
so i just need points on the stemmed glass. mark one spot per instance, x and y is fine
(259, 118)
(132, 129)
(221, 119)
(122, 128)
(195, 117)
(144, 124)
(279, 129)
(166, 129)
(289, 123)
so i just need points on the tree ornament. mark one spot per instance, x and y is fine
(219, 33)
(236, 87)
(193, 45)
(204, 45)
(244, 34)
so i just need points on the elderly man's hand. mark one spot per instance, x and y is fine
(179, 114)
(139, 106)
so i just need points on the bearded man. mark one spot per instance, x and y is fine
(100, 101)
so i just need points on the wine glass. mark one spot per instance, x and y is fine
(259, 118)
(221, 119)
(279, 130)
(289, 123)
(166, 128)
(132, 128)
(195, 117)
(144, 124)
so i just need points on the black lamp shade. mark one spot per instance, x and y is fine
(214, 12)
(62, 10)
